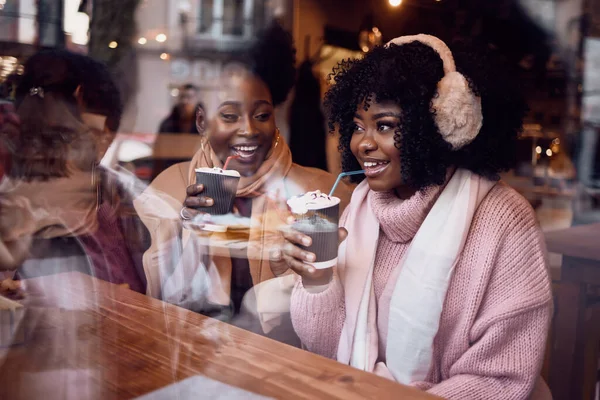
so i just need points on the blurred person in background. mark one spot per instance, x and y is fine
(238, 121)
(183, 115)
(441, 281)
(85, 221)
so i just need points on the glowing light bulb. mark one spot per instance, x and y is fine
(395, 3)
(161, 38)
(113, 45)
(142, 41)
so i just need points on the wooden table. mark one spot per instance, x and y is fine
(93, 340)
(572, 331)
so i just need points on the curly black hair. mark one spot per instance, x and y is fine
(272, 58)
(408, 76)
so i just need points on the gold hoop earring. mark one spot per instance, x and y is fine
(274, 146)
(203, 141)
(277, 136)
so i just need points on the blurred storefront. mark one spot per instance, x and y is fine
(183, 42)
(29, 25)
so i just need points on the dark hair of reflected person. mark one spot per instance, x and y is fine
(272, 58)
(408, 75)
(62, 71)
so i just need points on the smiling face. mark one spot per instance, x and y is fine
(374, 146)
(241, 122)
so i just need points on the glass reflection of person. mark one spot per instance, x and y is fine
(442, 281)
(70, 109)
(238, 120)
(14, 211)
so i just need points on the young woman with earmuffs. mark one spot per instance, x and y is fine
(441, 281)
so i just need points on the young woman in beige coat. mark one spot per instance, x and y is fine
(183, 266)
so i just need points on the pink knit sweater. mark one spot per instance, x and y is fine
(498, 306)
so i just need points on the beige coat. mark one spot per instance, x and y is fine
(182, 269)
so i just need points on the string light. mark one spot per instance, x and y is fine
(164, 56)
(538, 150)
(142, 41)
(161, 38)
(113, 45)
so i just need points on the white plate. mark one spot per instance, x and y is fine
(222, 223)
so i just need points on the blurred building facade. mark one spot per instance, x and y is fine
(189, 41)
(29, 25)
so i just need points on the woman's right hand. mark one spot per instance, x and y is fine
(292, 256)
(193, 201)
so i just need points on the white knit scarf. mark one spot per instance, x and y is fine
(420, 290)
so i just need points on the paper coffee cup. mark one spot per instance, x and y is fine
(221, 186)
(320, 221)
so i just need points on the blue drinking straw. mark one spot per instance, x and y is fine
(340, 176)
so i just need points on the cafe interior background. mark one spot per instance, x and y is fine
(153, 47)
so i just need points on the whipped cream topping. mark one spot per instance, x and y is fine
(311, 201)
(219, 171)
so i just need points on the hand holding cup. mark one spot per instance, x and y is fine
(194, 201)
(293, 255)
(312, 240)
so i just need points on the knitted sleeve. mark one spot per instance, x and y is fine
(508, 336)
(318, 317)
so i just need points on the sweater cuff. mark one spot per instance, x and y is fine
(316, 289)
(322, 301)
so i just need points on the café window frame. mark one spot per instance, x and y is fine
(230, 19)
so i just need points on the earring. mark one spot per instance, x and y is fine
(277, 136)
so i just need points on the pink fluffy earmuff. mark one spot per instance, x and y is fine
(458, 113)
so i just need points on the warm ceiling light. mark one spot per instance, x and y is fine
(395, 3)
(113, 45)
(164, 56)
(161, 38)
(142, 40)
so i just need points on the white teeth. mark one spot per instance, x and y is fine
(246, 148)
(370, 164)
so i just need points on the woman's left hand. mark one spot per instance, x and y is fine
(189, 213)
(292, 256)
